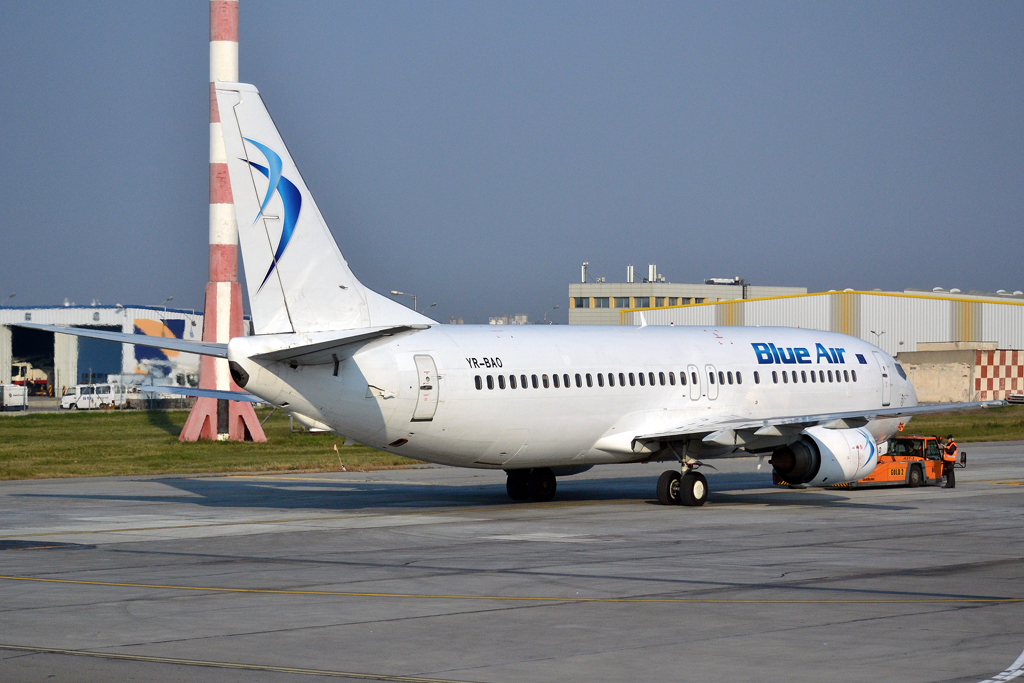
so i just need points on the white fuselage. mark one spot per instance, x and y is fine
(384, 395)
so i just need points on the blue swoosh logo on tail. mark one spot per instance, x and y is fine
(290, 197)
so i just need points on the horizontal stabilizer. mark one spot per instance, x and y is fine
(326, 347)
(172, 343)
(204, 393)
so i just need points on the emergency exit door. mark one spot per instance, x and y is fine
(426, 397)
(709, 370)
(886, 384)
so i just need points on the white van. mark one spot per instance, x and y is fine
(91, 396)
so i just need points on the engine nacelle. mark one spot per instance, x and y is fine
(823, 457)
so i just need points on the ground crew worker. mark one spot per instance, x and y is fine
(948, 461)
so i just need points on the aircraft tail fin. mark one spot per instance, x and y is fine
(297, 279)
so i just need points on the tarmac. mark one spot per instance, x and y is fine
(433, 574)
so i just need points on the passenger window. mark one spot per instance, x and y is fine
(711, 377)
(479, 383)
(565, 381)
(846, 376)
(775, 377)
(579, 380)
(739, 378)
(803, 376)
(611, 380)
(794, 377)
(590, 380)
(522, 381)
(600, 379)
(554, 380)
(545, 380)
(661, 379)
(490, 382)
(785, 377)
(501, 381)
(814, 377)
(511, 381)
(757, 377)
(729, 376)
(853, 373)
(642, 381)
(533, 380)
(632, 380)
(682, 378)
(721, 377)
(830, 376)
(671, 378)
(693, 377)
(821, 376)
(622, 380)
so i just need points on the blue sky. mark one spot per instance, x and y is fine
(477, 153)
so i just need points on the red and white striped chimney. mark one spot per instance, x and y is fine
(222, 316)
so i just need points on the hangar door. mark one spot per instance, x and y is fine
(426, 397)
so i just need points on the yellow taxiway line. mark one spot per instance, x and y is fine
(227, 665)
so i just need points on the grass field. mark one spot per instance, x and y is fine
(119, 443)
(135, 442)
(991, 424)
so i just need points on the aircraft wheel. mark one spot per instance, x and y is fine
(693, 489)
(542, 484)
(518, 484)
(915, 477)
(668, 488)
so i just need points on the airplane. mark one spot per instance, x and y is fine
(537, 401)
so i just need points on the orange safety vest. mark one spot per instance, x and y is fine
(949, 454)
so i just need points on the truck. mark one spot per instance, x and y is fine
(24, 374)
(13, 397)
(92, 396)
(904, 460)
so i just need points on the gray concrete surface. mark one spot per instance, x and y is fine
(432, 573)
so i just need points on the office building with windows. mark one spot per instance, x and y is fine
(600, 303)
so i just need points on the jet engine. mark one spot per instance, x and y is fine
(823, 457)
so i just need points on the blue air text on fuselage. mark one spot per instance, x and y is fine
(769, 354)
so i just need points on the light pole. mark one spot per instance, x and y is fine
(395, 292)
(546, 316)
(878, 337)
(13, 294)
(166, 301)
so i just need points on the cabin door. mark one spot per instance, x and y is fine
(886, 384)
(426, 398)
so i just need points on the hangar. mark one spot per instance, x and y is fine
(60, 360)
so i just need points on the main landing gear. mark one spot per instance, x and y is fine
(537, 484)
(686, 488)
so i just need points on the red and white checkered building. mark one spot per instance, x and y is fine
(997, 374)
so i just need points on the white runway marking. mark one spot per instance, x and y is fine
(1016, 669)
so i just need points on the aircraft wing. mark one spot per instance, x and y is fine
(202, 393)
(326, 347)
(172, 343)
(737, 431)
